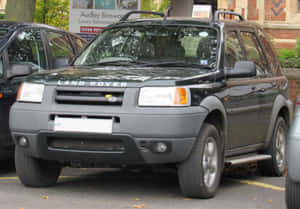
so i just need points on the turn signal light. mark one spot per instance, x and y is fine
(1, 96)
(19, 91)
(180, 96)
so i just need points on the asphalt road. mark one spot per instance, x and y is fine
(116, 189)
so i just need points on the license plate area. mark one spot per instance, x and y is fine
(83, 125)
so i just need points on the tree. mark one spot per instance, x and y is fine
(52, 12)
(20, 10)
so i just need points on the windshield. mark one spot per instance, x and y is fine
(154, 45)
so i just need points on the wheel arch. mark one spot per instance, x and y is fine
(216, 115)
(284, 108)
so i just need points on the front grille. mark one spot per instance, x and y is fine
(89, 96)
(86, 144)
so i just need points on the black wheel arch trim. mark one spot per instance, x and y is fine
(279, 103)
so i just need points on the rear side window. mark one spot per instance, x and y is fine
(60, 46)
(269, 52)
(253, 52)
(79, 43)
(233, 50)
(27, 48)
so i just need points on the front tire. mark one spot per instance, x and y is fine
(292, 194)
(199, 176)
(277, 165)
(36, 172)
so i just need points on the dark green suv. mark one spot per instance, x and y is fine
(197, 94)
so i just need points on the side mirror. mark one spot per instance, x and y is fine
(242, 69)
(19, 70)
(61, 62)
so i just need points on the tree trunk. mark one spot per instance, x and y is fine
(20, 10)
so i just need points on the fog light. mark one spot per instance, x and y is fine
(23, 141)
(160, 147)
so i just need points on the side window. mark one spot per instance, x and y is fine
(233, 51)
(60, 46)
(1, 68)
(252, 51)
(79, 44)
(269, 52)
(27, 48)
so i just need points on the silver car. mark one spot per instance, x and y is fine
(292, 192)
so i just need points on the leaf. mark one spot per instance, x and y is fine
(254, 199)
(270, 201)
(137, 199)
(45, 197)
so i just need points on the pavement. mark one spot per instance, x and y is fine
(124, 189)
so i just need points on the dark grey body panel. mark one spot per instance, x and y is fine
(177, 126)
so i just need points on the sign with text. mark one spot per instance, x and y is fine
(89, 17)
(202, 11)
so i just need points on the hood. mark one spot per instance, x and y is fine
(125, 74)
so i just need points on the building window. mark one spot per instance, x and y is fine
(298, 6)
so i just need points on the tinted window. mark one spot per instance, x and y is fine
(27, 48)
(269, 52)
(252, 51)
(60, 45)
(233, 50)
(154, 44)
(79, 43)
(1, 68)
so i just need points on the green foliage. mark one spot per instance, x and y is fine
(289, 58)
(1, 16)
(155, 6)
(52, 12)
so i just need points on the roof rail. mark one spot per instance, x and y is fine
(127, 15)
(219, 12)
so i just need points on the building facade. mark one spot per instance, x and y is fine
(2, 6)
(280, 18)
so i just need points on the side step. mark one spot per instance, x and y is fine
(237, 160)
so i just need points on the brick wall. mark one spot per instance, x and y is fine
(294, 89)
(275, 10)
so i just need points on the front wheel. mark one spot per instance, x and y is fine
(199, 176)
(292, 194)
(36, 172)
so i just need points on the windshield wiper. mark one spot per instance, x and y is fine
(178, 64)
(119, 63)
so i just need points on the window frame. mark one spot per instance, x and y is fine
(48, 48)
(13, 37)
(266, 69)
(237, 33)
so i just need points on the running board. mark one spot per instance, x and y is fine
(246, 159)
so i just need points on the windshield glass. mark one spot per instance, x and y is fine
(153, 45)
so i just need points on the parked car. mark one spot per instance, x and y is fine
(196, 94)
(26, 48)
(292, 191)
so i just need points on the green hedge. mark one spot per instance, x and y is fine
(290, 58)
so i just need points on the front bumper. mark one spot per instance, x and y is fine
(136, 131)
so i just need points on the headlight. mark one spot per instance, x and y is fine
(30, 92)
(164, 96)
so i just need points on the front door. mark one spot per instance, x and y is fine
(241, 99)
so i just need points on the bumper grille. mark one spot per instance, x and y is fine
(89, 96)
(86, 144)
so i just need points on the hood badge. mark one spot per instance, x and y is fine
(92, 83)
